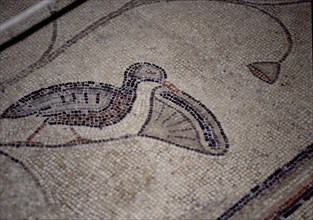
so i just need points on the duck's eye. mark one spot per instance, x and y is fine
(150, 72)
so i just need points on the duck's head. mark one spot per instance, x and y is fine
(143, 72)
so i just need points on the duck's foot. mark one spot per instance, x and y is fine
(170, 86)
(78, 140)
(28, 144)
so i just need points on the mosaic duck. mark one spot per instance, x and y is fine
(174, 117)
(85, 103)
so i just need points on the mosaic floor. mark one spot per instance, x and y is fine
(157, 109)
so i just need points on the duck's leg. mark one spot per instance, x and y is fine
(30, 138)
(78, 139)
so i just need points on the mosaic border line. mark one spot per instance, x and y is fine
(273, 179)
(103, 21)
(72, 144)
(54, 33)
(290, 205)
(296, 204)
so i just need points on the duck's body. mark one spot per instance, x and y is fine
(81, 104)
(107, 105)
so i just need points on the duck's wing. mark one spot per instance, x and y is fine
(179, 119)
(78, 97)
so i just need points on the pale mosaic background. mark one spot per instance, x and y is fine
(205, 47)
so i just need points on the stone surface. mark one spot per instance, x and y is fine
(151, 109)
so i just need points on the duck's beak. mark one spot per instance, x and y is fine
(170, 86)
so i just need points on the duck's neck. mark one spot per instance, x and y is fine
(124, 100)
(130, 85)
(128, 91)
